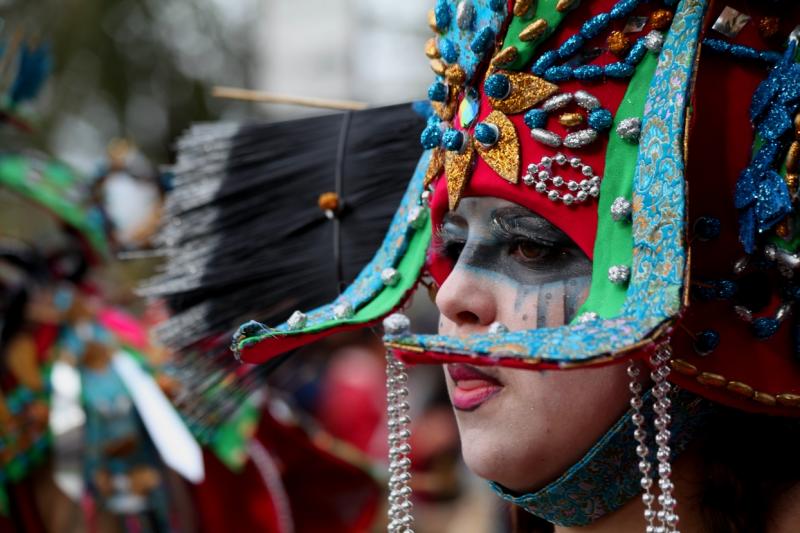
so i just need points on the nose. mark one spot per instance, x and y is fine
(466, 301)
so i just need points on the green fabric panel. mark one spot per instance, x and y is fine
(614, 243)
(230, 440)
(545, 9)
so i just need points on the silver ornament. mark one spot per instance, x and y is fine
(417, 216)
(390, 277)
(629, 129)
(546, 137)
(342, 310)
(556, 102)
(654, 41)
(579, 139)
(619, 274)
(621, 209)
(396, 324)
(586, 100)
(297, 320)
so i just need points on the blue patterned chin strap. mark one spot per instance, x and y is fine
(608, 477)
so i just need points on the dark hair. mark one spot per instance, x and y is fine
(749, 461)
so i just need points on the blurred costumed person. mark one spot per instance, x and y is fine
(577, 155)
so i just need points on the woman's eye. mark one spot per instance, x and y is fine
(530, 250)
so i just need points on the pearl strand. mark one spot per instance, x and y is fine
(399, 512)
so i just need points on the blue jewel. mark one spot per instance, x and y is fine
(623, 8)
(483, 40)
(744, 52)
(497, 5)
(619, 70)
(600, 119)
(449, 50)
(453, 140)
(252, 329)
(773, 201)
(559, 73)
(497, 86)
(588, 72)
(707, 228)
(768, 56)
(726, 289)
(638, 50)
(764, 327)
(706, 342)
(486, 134)
(536, 118)
(431, 137)
(592, 27)
(437, 91)
(442, 14)
(545, 61)
(570, 46)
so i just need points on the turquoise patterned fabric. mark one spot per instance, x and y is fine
(659, 257)
(608, 476)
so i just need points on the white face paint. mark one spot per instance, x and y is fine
(520, 428)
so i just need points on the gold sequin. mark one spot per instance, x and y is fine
(566, 5)
(328, 201)
(788, 399)
(570, 120)
(618, 43)
(740, 388)
(763, 397)
(660, 19)
(455, 75)
(714, 380)
(438, 66)
(457, 168)
(503, 156)
(769, 26)
(527, 90)
(521, 7)
(431, 48)
(432, 21)
(505, 56)
(684, 367)
(534, 30)
(434, 166)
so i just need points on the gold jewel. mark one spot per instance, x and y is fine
(570, 120)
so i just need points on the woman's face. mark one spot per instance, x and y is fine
(520, 428)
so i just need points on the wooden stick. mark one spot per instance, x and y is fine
(247, 95)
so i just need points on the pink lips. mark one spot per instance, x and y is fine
(472, 387)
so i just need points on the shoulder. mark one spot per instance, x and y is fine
(786, 513)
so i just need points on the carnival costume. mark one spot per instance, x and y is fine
(650, 133)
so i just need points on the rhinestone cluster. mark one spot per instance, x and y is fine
(544, 180)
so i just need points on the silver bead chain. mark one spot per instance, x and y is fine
(397, 408)
(665, 519)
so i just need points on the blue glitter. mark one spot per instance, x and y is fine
(619, 70)
(570, 46)
(600, 119)
(726, 289)
(483, 40)
(437, 91)
(623, 9)
(536, 118)
(638, 50)
(431, 137)
(449, 50)
(706, 342)
(442, 15)
(770, 57)
(497, 86)
(592, 27)
(743, 52)
(545, 61)
(764, 327)
(497, 5)
(486, 134)
(433, 120)
(773, 201)
(707, 228)
(560, 73)
(588, 72)
(453, 140)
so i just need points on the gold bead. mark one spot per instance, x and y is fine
(788, 399)
(714, 380)
(684, 367)
(432, 21)
(740, 388)
(570, 120)
(782, 229)
(763, 397)
(660, 19)
(793, 157)
(438, 66)
(769, 26)
(791, 180)
(455, 75)
(534, 30)
(566, 5)
(328, 201)
(431, 48)
(618, 43)
(505, 56)
(521, 7)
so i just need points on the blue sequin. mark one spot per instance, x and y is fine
(773, 201)
(707, 228)
(592, 27)
(442, 14)
(431, 137)
(588, 72)
(638, 50)
(497, 5)
(448, 50)
(570, 46)
(726, 289)
(486, 134)
(536, 118)
(619, 70)
(623, 8)
(706, 342)
(483, 40)
(560, 73)
(600, 119)
(497, 86)
(437, 91)
(764, 327)
(743, 52)
(453, 140)
(545, 61)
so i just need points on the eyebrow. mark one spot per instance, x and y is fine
(514, 218)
